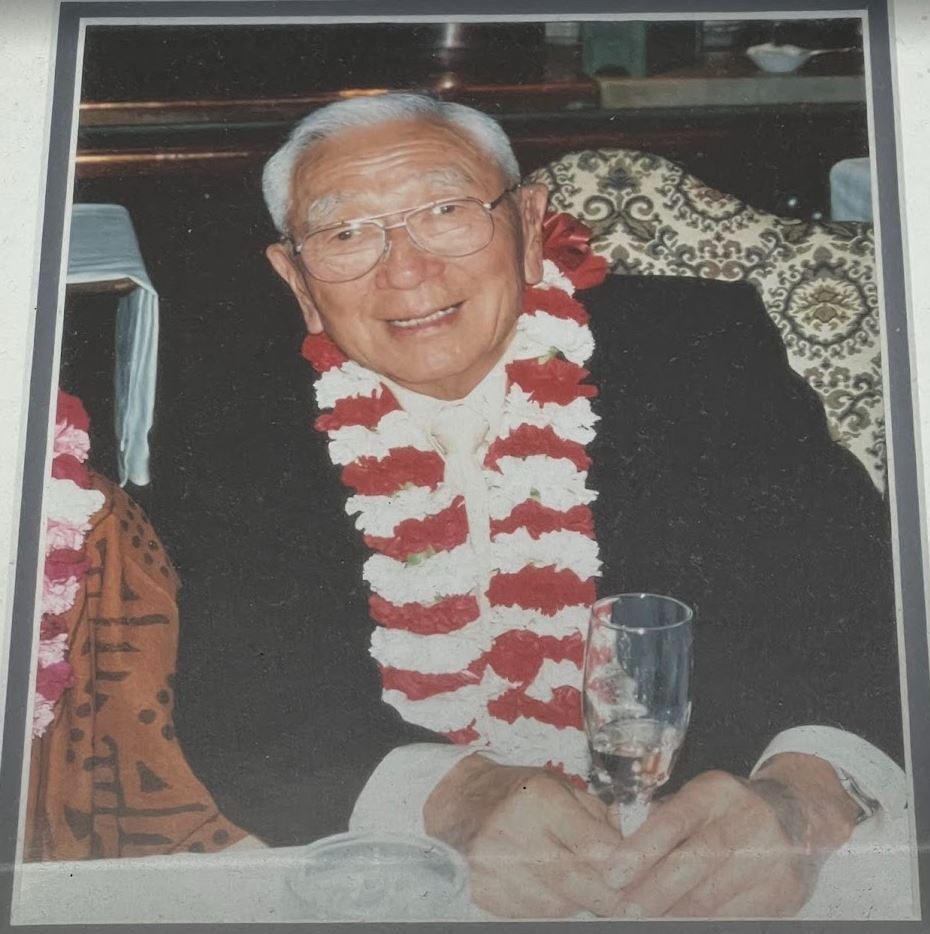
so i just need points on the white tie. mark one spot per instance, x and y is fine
(458, 432)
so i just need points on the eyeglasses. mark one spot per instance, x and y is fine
(350, 249)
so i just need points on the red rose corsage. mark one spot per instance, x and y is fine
(567, 242)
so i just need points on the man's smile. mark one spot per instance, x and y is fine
(432, 317)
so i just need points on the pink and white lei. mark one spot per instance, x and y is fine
(508, 676)
(69, 504)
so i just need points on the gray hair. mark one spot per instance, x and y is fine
(356, 112)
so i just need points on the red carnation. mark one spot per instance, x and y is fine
(556, 380)
(518, 654)
(70, 409)
(445, 615)
(64, 563)
(464, 736)
(386, 476)
(439, 532)
(322, 353)
(527, 440)
(418, 686)
(557, 303)
(68, 467)
(52, 680)
(538, 519)
(564, 710)
(52, 626)
(544, 589)
(366, 411)
(566, 241)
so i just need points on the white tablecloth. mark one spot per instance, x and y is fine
(869, 878)
(104, 248)
(851, 190)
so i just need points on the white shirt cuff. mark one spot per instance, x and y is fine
(393, 797)
(878, 776)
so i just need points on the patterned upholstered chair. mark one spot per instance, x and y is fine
(817, 280)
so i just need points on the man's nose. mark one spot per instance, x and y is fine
(406, 265)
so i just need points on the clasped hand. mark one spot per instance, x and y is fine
(720, 847)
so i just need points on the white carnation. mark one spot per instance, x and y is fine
(554, 279)
(542, 332)
(563, 549)
(444, 574)
(338, 382)
(62, 535)
(522, 348)
(395, 430)
(554, 481)
(66, 502)
(58, 596)
(573, 422)
(380, 515)
(439, 653)
(568, 621)
(71, 440)
(52, 651)
(451, 710)
(553, 674)
(43, 713)
(532, 742)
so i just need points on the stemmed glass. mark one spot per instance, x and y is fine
(637, 682)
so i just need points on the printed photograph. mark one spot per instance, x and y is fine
(468, 495)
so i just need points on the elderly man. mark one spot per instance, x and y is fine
(502, 447)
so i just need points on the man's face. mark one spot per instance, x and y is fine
(378, 319)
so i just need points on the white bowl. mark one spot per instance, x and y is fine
(778, 59)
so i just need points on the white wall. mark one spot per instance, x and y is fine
(912, 56)
(26, 29)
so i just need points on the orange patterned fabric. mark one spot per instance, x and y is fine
(108, 778)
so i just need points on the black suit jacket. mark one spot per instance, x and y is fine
(718, 484)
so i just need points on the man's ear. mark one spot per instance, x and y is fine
(283, 264)
(533, 201)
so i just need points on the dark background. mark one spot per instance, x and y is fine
(231, 491)
(267, 61)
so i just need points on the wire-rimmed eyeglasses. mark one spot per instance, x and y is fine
(348, 250)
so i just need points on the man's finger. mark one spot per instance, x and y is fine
(740, 873)
(670, 880)
(546, 877)
(580, 885)
(768, 900)
(544, 853)
(591, 803)
(585, 846)
(664, 830)
(572, 825)
(516, 893)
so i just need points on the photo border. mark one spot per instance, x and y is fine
(897, 364)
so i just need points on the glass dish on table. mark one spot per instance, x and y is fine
(379, 877)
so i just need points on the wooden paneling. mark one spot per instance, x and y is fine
(777, 157)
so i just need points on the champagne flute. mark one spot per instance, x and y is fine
(637, 681)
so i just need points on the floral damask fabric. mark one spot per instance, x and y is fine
(649, 216)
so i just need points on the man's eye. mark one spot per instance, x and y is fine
(344, 236)
(445, 210)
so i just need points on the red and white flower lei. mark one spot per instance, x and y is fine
(69, 503)
(509, 677)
